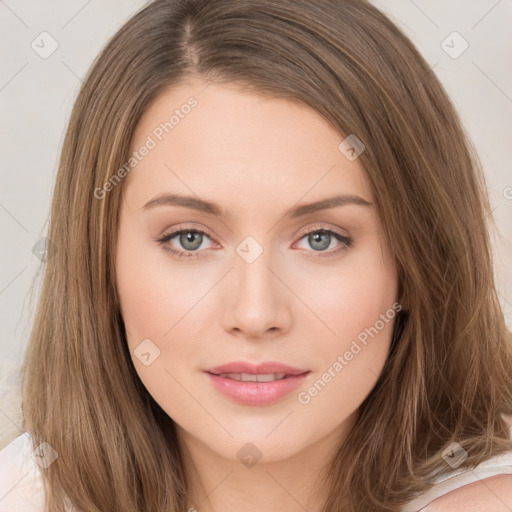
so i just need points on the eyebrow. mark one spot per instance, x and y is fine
(214, 209)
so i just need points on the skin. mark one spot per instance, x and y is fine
(257, 158)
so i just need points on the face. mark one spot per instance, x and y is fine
(254, 276)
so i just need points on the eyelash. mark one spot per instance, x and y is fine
(195, 254)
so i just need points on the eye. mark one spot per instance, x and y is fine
(321, 239)
(191, 239)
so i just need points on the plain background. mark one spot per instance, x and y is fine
(37, 94)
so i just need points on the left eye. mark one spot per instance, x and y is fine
(320, 239)
(191, 240)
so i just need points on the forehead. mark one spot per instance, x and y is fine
(219, 141)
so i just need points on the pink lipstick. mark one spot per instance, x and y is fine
(256, 384)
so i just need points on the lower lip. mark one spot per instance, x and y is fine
(257, 393)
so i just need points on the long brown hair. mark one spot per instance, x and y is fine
(448, 376)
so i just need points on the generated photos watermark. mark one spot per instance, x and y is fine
(151, 142)
(342, 360)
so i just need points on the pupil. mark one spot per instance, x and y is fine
(317, 238)
(191, 237)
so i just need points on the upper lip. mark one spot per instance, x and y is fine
(256, 369)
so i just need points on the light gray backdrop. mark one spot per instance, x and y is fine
(48, 46)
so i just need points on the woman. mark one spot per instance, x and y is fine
(272, 286)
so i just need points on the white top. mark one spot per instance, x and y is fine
(21, 487)
(443, 484)
(498, 465)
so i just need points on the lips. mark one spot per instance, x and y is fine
(260, 384)
(249, 377)
(242, 367)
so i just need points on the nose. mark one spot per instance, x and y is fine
(258, 300)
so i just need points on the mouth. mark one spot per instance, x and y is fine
(261, 384)
(243, 368)
(249, 377)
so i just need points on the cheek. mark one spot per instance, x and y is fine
(152, 298)
(159, 302)
(151, 305)
(352, 299)
(359, 307)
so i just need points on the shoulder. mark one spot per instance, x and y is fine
(492, 493)
(488, 486)
(21, 488)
